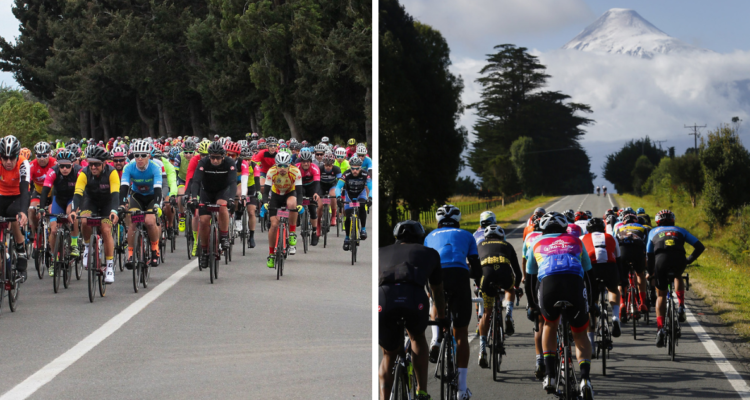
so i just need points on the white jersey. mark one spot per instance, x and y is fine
(582, 224)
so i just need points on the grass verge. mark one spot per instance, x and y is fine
(720, 278)
(508, 215)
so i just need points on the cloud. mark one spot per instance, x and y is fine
(8, 30)
(471, 23)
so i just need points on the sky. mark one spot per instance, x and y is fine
(631, 98)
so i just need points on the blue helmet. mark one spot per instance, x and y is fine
(640, 211)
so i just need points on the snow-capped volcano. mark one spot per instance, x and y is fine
(623, 31)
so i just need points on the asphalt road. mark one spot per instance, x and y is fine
(636, 369)
(248, 335)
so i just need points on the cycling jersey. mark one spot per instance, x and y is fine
(144, 182)
(632, 234)
(575, 230)
(215, 178)
(283, 183)
(182, 164)
(646, 217)
(63, 186)
(192, 165)
(494, 252)
(351, 151)
(601, 247)
(39, 173)
(557, 253)
(354, 185)
(479, 235)
(454, 246)
(343, 165)
(266, 160)
(529, 241)
(100, 189)
(526, 231)
(329, 178)
(669, 239)
(310, 175)
(10, 181)
(582, 224)
(367, 164)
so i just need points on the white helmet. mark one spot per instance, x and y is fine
(324, 139)
(448, 211)
(42, 148)
(341, 152)
(141, 147)
(361, 150)
(283, 157)
(494, 230)
(551, 219)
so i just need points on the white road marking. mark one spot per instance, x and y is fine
(58, 365)
(609, 197)
(582, 201)
(734, 378)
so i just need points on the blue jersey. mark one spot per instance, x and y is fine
(454, 246)
(142, 182)
(479, 236)
(669, 239)
(557, 253)
(367, 163)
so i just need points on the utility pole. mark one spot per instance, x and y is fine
(660, 142)
(695, 133)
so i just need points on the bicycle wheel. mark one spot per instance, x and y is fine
(399, 391)
(634, 308)
(325, 224)
(92, 266)
(189, 233)
(354, 234)
(672, 332)
(602, 347)
(39, 243)
(79, 262)
(211, 254)
(245, 230)
(497, 343)
(338, 222)
(279, 259)
(138, 258)
(66, 260)
(217, 246)
(566, 356)
(305, 230)
(57, 263)
(444, 371)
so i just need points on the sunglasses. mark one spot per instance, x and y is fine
(282, 166)
(65, 166)
(140, 155)
(234, 156)
(216, 157)
(4, 158)
(189, 153)
(95, 164)
(42, 155)
(340, 156)
(120, 160)
(355, 168)
(318, 154)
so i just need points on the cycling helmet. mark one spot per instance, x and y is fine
(243, 143)
(595, 225)
(157, 153)
(174, 153)
(75, 149)
(216, 148)
(615, 209)
(255, 136)
(10, 147)
(540, 210)
(216, 137)
(188, 146)
(487, 218)
(355, 162)
(640, 211)
(305, 143)
(589, 214)
(630, 219)
(351, 142)
(325, 139)
(665, 218)
(247, 152)
(341, 152)
(448, 214)
(494, 230)
(328, 158)
(296, 146)
(570, 215)
(283, 158)
(609, 212)
(361, 150)
(320, 148)
(580, 215)
(118, 151)
(203, 147)
(26, 153)
(42, 148)
(141, 147)
(629, 210)
(233, 147)
(66, 155)
(283, 146)
(282, 141)
(553, 222)
(409, 231)
(305, 155)
(96, 153)
(293, 140)
(272, 141)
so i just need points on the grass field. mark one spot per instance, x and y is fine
(721, 275)
(510, 214)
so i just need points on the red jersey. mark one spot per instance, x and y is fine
(351, 151)
(309, 175)
(192, 165)
(602, 247)
(265, 159)
(39, 173)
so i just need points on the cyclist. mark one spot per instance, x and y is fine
(202, 153)
(539, 212)
(311, 186)
(357, 185)
(532, 314)
(188, 151)
(598, 190)
(319, 150)
(366, 161)
(62, 179)
(14, 194)
(351, 148)
(253, 191)
(641, 213)
(234, 149)
(329, 176)
(631, 236)
(119, 159)
(455, 246)
(341, 160)
(97, 193)
(215, 180)
(666, 253)
(284, 181)
(604, 190)
(142, 183)
(486, 218)
(39, 168)
(581, 219)
(404, 269)
(169, 180)
(500, 269)
(604, 252)
(572, 229)
(558, 261)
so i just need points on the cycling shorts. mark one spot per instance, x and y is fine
(494, 277)
(10, 206)
(213, 198)
(56, 208)
(397, 301)
(95, 207)
(458, 294)
(326, 187)
(666, 263)
(36, 197)
(278, 201)
(607, 272)
(632, 255)
(180, 182)
(313, 206)
(564, 287)
(139, 202)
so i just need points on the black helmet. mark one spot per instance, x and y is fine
(216, 148)
(10, 146)
(96, 153)
(409, 231)
(66, 155)
(595, 225)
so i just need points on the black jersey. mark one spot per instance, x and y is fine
(214, 178)
(409, 263)
(494, 252)
(329, 178)
(354, 185)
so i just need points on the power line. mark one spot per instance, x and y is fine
(660, 142)
(695, 133)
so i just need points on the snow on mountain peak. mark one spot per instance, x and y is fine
(624, 31)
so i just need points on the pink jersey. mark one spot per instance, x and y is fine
(575, 230)
(309, 175)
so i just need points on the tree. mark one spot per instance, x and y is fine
(513, 106)
(619, 166)
(25, 120)
(640, 173)
(420, 99)
(726, 166)
(526, 164)
(687, 172)
(466, 186)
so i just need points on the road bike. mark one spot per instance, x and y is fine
(305, 224)
(121, 243)
(567, 381)
(633, 301)
(188, 227)
(243, 234)
(354, 229)
(446, 369)
(325, 218)
(214, 250)
(11, 277)
(141, 249)
(671, 323)
(282, 241)
(404, 377)
(41, 251)
(603, 330)
(61, 259)
(96, 270)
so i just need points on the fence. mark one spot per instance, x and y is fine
(428, 216)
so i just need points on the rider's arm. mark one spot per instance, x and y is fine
(114, 187)
(24, 184)
(369, 187)
(515, 266)
(158, 183)
(171, 176)
(80, 187)
(124, 183)
(339, 186)
(698, 248)
(194, 182)
(48, 182)
(243, 185)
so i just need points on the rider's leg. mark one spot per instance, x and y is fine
(153, 231)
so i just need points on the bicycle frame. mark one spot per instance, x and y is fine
(570, 386)
(282, 237)
(11, 279)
